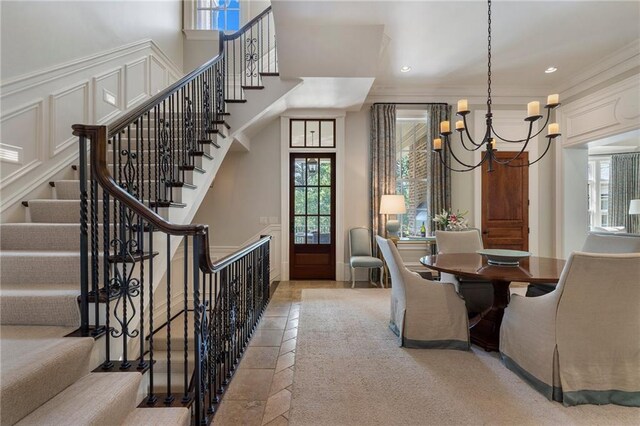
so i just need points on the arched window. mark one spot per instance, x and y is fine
(223, 15)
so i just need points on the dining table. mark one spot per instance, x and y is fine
(485, 326)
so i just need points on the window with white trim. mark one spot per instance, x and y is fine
(222, 15)
(598, 191)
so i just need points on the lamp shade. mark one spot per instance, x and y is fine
(634, 206)
(392, 204)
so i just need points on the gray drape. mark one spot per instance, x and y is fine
(383, 163)
(438, 176)
(624, 186)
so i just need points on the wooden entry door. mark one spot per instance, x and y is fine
(312, 242)
(505, 204)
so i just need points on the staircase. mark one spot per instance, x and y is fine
(108, 328)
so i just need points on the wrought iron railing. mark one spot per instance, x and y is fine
(130, 291)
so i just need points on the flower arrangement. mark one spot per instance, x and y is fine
(451, 221)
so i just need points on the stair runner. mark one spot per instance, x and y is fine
(45, 377)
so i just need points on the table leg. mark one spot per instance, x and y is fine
(485, 328)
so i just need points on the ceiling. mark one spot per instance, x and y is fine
(445, 41)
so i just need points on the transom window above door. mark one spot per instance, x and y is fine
(312, 133)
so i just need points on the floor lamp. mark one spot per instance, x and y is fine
(392, 204)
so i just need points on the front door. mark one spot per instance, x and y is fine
(312, 251)
(505, 204)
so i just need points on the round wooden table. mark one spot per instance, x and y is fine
(485, 327)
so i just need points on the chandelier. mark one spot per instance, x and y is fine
(489, 139)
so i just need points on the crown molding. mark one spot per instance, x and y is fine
(619, 62)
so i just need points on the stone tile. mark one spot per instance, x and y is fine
(277, 405)
(250, 385)
(290, 334)
(288, 346)
(266, 338)
(281, 380)
(292, 324)
(286, 415)
(278, 421)
(285, 361)
(240, 413)
(280, 310)
(294, 314)
(273, 323)
(289, 388)
(260, 357)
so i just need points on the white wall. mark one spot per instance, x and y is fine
(39, 34)
(246, 188)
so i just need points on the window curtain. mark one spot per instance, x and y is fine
(383, 164)
(438, 176)
(624, 186)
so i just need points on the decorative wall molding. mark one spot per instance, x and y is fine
(610, 111)
(93, 89)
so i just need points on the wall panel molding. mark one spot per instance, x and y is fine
(38, 109)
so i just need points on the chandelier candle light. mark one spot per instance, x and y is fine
(490, 134)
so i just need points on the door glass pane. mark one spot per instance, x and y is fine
(299, 228)
(325, 171)
(325, 229)
(313, 133)
(312, 200)
(326, 132)
(325, 200)
(299, 201)
(299, 171)
(312, 229)
(312, 171)
(297, 133)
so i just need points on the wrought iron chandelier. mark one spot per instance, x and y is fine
(490, 134)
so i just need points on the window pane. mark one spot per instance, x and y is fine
(403, 165)
(605, 220)
(297, 132)
(604, 170)
(312, 171)
(325, 171)
(299, 201)
(299, 229)
(325, 230)
(313, 135)
(326, 132)
(233, 20)
(325, 200)
(312, 229)
(299, 171)
(312, 200)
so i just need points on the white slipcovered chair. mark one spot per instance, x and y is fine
(580, 344)
(424, 314)
(478, 294)
(361, 254)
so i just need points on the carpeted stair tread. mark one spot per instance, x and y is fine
(39, 267)
(39, 304)
(95, 399)
(34, 370)
(18, 332)
(173, 416)
(36, 236)
(160, 359)
(56, 211)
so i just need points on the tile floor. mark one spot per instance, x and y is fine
(260, 391)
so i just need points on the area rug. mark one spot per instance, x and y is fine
(350, 371)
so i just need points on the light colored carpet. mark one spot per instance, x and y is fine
(350, 371)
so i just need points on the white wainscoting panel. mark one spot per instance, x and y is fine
(38, 109)
(21, 132)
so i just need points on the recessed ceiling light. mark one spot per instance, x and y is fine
(550, 70)
(405, 68)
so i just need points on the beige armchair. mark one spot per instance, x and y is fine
(424, 314)
(580, 344)
(478, 294)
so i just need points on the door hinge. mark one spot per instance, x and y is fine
(528, 230)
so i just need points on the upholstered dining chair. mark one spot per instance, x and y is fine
(361, 254)
(580, 344)
(477, 294)
(596, 242)
(424, 313)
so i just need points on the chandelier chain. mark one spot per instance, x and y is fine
(489, 57)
